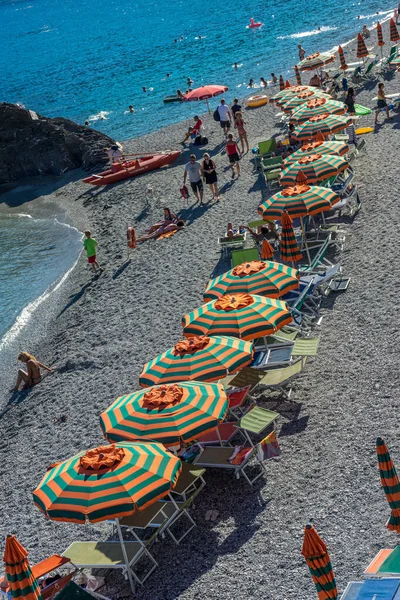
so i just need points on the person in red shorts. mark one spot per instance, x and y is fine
(90, 245)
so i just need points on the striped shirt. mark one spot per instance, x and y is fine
(351, 132)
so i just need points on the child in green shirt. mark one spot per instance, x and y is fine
(90, 245)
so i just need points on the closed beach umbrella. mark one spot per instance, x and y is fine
(256, 277)
(317, 106)
(170, 414)
(240, 315)
(338, 148)
(289, 103)
(297, 89)
(287, 84)
(315, 61)
(298, 201)
(326, 124)
(267, 252)
(316, 167)
(317, 558)
(297, 73)
(343, 64)
(289, 249)
(390, 483)
(362, 50)
(380, 34)
(394, 34)
(199, 358)
(281, 83)
(18, 572)
(107, 482)
(205, 92)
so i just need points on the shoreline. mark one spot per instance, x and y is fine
(99, 333)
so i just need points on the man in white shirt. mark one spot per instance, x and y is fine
(224, 116)
(195, 174)
(114, 154)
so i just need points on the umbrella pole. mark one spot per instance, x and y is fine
(125, 555)
(305, 240)
(208, 107)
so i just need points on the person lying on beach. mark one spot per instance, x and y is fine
(192, 132)
(169, 218)
(32, 376)
(171, 228)
(90, 245)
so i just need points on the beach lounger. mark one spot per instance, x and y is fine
(279, 379)
(273, 356)
(271, 164)
(319, 261)
(265, 150)
(272, 179)
(189, 480)
(218, 458)
(385, 564)
(256, 421)
(227, 244)
(237, 398)
(241, 256)
(305, 347)
(245, 377)
(221, 436)
(350, 203)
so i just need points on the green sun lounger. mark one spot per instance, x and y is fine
(245, 377)
(278, 379)
(242, 256)
(72, 591)
(305, 347)
(257, 419)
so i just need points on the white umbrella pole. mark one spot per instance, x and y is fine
(125, 555)
(305, 240)
(208, 107)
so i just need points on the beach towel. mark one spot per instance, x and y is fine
(239, 455)
(168, 234)
(268, 447)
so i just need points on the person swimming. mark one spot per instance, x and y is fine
(235, 65)
(251, 83)
(263, 82)
(189, 81)
(144, 89)
(131, 109)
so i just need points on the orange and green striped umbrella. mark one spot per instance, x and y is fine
(298, 201)
(315, 61)
(317, 558)
(199, 358)
(170, 414)
(342, 59)
(316, 167)
(338, 148)
(240, 315)
(324, 123)
(107, 482)
(297, 89)
(281, 83)
(297, 73)
(22, 582)
(362, 50)
(394, 34)
(317, 106)
(290, 251)
(256, 277)
(287, 104)
(390, 483)
(380, 34)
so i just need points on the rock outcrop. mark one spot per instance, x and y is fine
(33, 145)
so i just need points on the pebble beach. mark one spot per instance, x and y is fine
(97, 332)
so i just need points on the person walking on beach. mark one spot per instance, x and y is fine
(365, 32)
(232, 151)
(224, 116)
(302, 52)
(382, 104)
(239, 124)
(90, 245)
(236, 107)
(32, 376)
(350, 100)
(210, 175)
(195, 171)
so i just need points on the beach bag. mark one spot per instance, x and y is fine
(204, 140)
(216, 115)
(184, 192)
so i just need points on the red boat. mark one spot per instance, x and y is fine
(131, 168)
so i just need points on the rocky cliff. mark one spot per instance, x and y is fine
(34, 145)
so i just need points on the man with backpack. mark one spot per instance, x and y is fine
(225, 118)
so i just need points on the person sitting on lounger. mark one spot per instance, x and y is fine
(32, 376)
(170, 228)
(266, 232)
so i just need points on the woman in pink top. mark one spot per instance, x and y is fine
(232, 151)
(242, 133)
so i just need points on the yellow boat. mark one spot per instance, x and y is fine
(255, 101)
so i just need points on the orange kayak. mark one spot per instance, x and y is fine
(131, 168)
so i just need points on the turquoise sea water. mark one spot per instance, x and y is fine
(85, 58)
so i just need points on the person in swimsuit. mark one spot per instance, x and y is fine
(172, 227)
(382, 104)
(210, 175)
(32, 376)
(232, 151)
(239, 124)
(169, 218)
(302, 52)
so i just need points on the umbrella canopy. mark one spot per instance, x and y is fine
(298, 201)
(338, 148)
(342, 59)
(18, 572)
(289, 103)
(315, 61)
(240, 315)
(317, 106)
(390, 483)
(199, 358)
(394, 34)
(289, 248)
(316, 167)
(317, 558)
(326, 124)
(281, 83)
(297, 89)
(170, 414)
(297, 73)
(380, 34)
(205, 92)
(107, 482)
(256, 277)
(362, 50)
